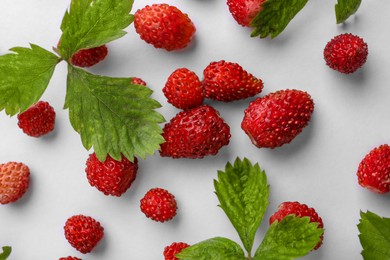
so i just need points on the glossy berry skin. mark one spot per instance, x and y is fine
(299, 210)
(38, 120)
(173, 249)
(89, 57)
(346, 53)
(83, 232)
(138, 81)
(14, 181)
(276, 119)
(111, 177)
(374, 170)
(69, 258)
(244, 11)
(164, 26)
(159, 205)
(195, 133)
(183, 89)
(228, 81)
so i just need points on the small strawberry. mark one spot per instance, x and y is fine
(374, 170)
(277, 118)
(138, 81)
(38, 120)
(159, 205)
(183, 89)
(69, 258)
(14, 181)
(164, 26)
(346, 53)
(111, 177)
(299, 210)
(195, 133)
(173, 249)
(228, 81)
(89, 57)
(244, 11)
(83, 232)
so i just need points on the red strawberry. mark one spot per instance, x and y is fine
(277, 118)
(299, 210)
(374, 170)
(38, 120)
(227, 81)
(111, 177)
(138, 81)
(14, 181)
(164, 26)
(184, 89)
(89, 57)
(83, 232)
(70, 258)
(173, 249)
(195, 133)
(159, 205)
(346, 53)
(244, 11)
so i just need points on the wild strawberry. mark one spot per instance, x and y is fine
(299, 210)
(111, 177)
(374, 170)
(346, 53)
(183, 89)
(38, 120)
(244, 11)
(173, 249)
(159, 205)
(89, 57)
(227, 81)
(83, 232)
(69, 258)
(14, 181)
(138, 81)
(195, 133)
(277, 118)
(164, 26)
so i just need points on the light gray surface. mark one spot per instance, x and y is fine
(318, 168)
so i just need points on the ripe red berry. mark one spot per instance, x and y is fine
(299, 210)
(346, 53)
(195, 133)
(183, 89)
(159, 205)
(14, 181)
(164, 26)
(277, 118)
(244, 11)
(374, 170)
(138, 81)
(83, 232)
(89, 57)
(38, 120)
(111, 177)
(173, 249)
(228, 81)
(69, 258)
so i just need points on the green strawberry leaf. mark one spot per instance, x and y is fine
(24, 76)
(113, 115)
(345, 8)
(290, 238)
(374, 236)
(275, 16)
(6, 252)
(92, 23)
(217, 248)
(243, 191)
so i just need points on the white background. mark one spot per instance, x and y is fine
(318, 168)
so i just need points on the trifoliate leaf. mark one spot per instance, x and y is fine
(345, 8)
(6, 252)
(92, 23)
(24, 76)
(113, 115)
(217, 248)
(275, 16)
(374, 236)
(290, 238)
(243, 191)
